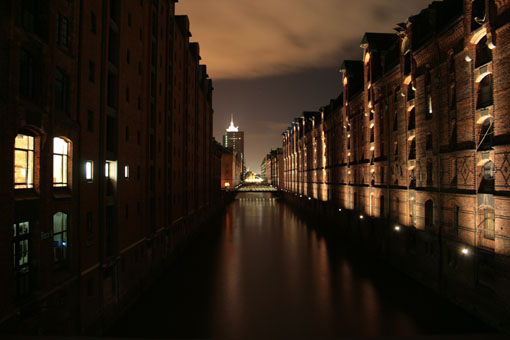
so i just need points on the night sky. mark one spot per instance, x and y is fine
(270, 60)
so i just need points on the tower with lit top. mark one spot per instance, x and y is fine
(234, 139)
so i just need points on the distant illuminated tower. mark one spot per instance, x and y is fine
(234, 139)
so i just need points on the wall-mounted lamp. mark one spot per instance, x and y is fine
(468, 59)
(465, 251)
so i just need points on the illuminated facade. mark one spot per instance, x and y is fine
(419, 141)
(108, 156)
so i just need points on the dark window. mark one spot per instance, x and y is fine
(113, 47)
(112, 90)
(483, 53)
(92, 71)
(429, 141)
(129, 19)
(477, 13)
(127, 94)
(127, 133)
(60, 237)
(453, 97)
(410, 92)
(412, 119)
(485, 97)
(90, 121)
(412, 149)
(429, 172)
(27, 75)
(61, 91)
(93, 22)
(22, 257)
(138, 138)
(111, 135)
(90, 223)
(128, 56)
(63, 31)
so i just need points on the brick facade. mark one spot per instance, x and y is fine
(419, 140)
(119, 82)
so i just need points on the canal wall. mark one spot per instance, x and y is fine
(472, 278)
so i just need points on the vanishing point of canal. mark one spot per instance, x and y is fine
(262, 271)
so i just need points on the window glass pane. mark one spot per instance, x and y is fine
(57, 169)
(59, 146)
(57, 222)
(21, 142)
(24, 228)
(20, 167)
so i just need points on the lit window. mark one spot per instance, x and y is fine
(89, 171)
(60, 158)
(107, 169)
(24, 162)
(60, 237)
(126, 171)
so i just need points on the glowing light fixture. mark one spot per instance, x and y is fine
(468, 59)
(88, 170)
(397, 228)
(465, 251)
(361, 217)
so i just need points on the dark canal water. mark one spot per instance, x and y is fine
(262, 271)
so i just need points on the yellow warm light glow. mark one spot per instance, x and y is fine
(23, 162)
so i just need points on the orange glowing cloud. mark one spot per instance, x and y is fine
(249, 39)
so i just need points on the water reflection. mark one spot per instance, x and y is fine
(266, 273)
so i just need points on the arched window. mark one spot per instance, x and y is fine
(410, 92)
(381, 206)
(487, 184)
(60, 237)
(486, 140)
(429, 215)
(24, 150)
(485, 97)
(483, 52)
(412, 149)
(60, 162)
(412, 119)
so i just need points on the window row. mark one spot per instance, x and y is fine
(24, 161)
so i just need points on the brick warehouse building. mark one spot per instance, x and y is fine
(414, 155)
(107, 134)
